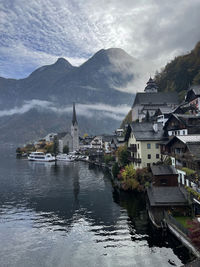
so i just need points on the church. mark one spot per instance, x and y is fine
(151, 100)
(71, 140)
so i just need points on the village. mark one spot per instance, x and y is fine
(157, 154)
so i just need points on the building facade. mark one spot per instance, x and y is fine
(71, 140)
(151, 100)
(143, 144)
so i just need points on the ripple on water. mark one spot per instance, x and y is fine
(68, 215)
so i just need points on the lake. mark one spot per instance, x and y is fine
(69, 215)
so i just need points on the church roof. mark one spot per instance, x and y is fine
(156, 98)
(62, 135)
(74, 119)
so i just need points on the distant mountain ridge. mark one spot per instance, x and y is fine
(100, 74)
(60, 84)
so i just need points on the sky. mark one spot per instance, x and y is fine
(36, 33)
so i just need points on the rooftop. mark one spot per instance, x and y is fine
(186, 119)
(195, 89)
(163, 170)
(189, 138)
(144, 131)
(156, 98)
(165, 196)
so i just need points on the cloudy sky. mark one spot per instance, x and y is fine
(36, 33)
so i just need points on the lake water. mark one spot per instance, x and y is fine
(69, 215)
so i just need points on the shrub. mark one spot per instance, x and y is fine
(108, 158)
(115, 169)
(188, 171)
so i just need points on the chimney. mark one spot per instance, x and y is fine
(155, 127)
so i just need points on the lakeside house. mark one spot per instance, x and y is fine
(164, 194)
(182, 124)
(143, 143)
(193, 96)
(184, 151)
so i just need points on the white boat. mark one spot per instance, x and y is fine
(64, 157)
(41, 156)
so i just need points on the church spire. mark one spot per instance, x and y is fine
(74, 120)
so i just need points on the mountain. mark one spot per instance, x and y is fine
(33, 106)
(180, 73)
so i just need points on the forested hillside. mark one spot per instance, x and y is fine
(180, 73)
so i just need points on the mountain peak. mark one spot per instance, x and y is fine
(107, 57)
(63, 62)
(116, 52)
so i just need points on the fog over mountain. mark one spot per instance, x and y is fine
(42, 102)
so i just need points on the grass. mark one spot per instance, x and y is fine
(183, 220)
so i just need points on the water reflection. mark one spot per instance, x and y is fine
(68, 209)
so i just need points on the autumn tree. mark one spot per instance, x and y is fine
(123, 154)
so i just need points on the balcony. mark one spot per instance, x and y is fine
(132, 148)
(138, 160)
(135, 160)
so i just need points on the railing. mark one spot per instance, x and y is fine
(136, 160)
(132, 148)
(172, 220)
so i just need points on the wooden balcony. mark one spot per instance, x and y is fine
(135, 160)
(132, 148)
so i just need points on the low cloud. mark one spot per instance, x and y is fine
(90, 110)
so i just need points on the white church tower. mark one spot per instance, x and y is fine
(74, 130)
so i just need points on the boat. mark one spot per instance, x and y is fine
(41, 156)
(64, 157)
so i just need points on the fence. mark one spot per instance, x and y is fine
(172, 220)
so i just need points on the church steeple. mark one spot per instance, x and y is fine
(74, 130)
(74, 120)
(151, 86)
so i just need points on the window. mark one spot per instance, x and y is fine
(157, 145)
(157, 156)
(138, 146)
(148, 146)
(149, 156)
(183, 132)
(138, 155)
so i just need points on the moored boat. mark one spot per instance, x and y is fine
(64, 157)
(41, 156)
